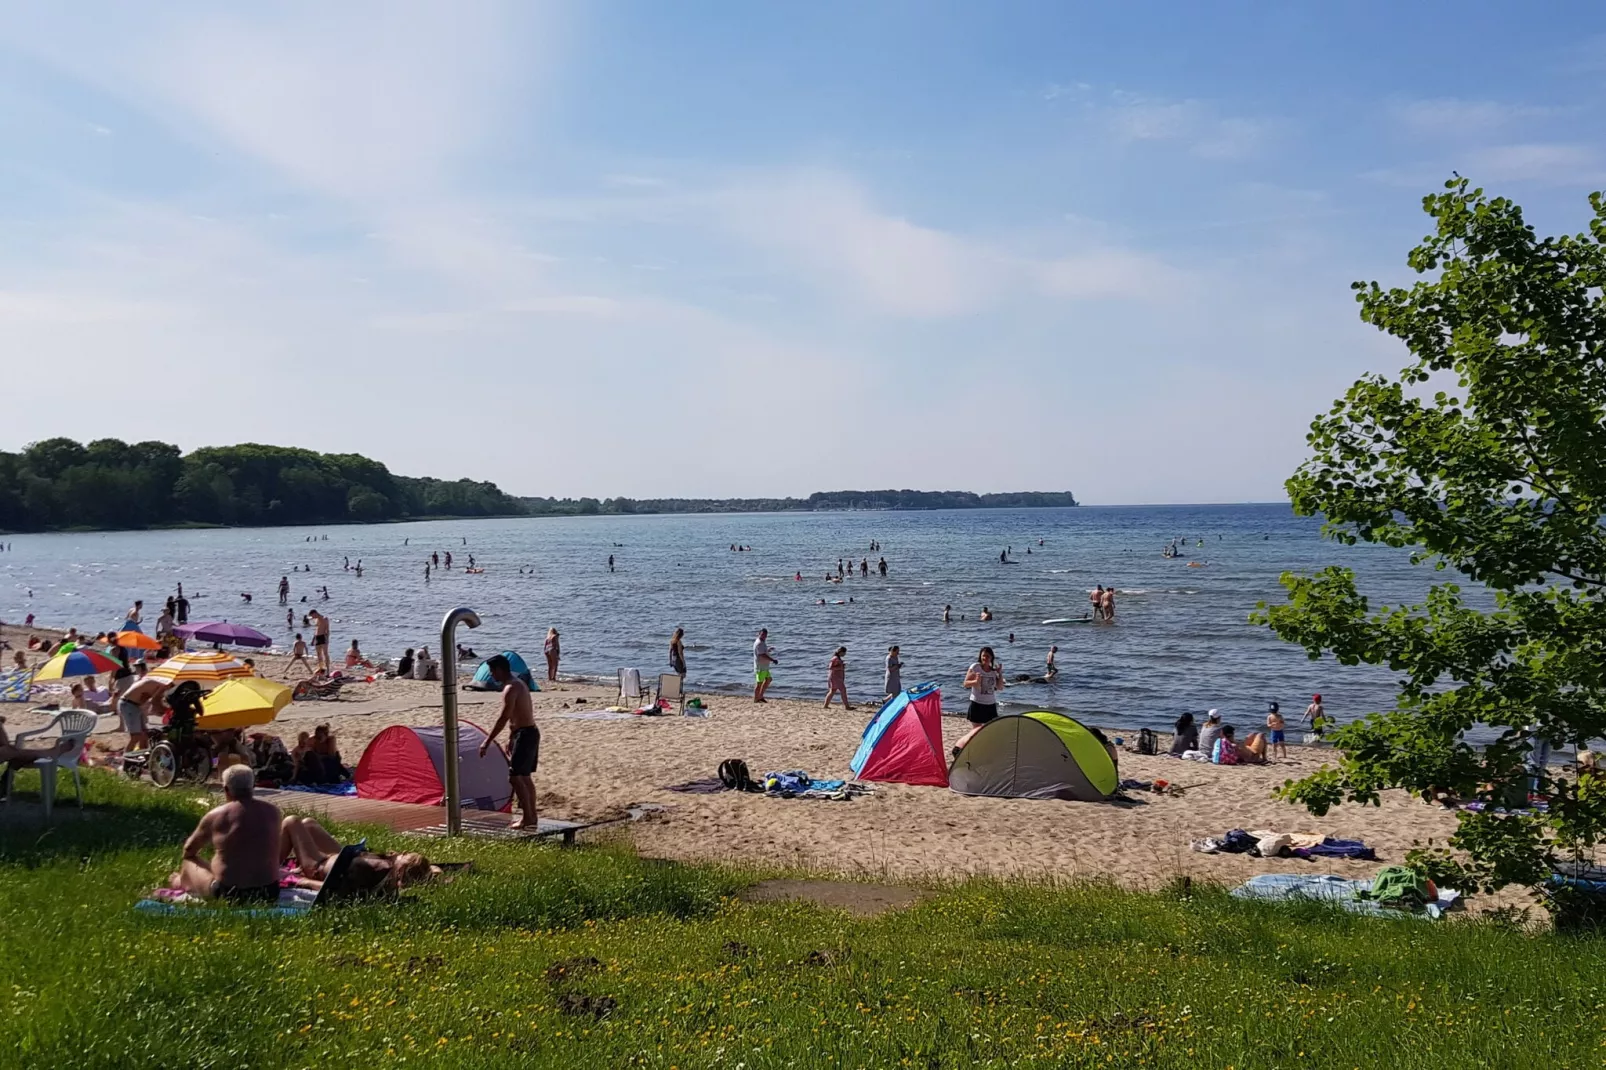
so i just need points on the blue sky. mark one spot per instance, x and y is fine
(751, 249)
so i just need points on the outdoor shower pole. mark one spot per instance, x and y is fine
(454, 800)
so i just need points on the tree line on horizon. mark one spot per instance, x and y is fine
(60, 483)
(822, 500)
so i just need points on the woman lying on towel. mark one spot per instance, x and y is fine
(372, 872)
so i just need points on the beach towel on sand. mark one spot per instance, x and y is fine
(14, 686)
(1348, 894)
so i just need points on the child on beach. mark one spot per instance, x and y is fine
(1225, 749)
(1275, 726)
(838, 680)
(1316, 715)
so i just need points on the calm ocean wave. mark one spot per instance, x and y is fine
(1181, 640)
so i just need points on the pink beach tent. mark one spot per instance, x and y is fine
(903, 742)
(407, 765)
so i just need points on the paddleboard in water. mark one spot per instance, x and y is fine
(1070, 620)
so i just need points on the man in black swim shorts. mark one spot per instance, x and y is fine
(524, 739)
(243, 835)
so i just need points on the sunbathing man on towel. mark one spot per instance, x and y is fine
(244, 836)
(314, 851)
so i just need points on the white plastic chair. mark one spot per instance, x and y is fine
(630, 691)
(74, 726)
(672, 688)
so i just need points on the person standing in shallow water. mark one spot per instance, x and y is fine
(551, 650)
(893, 682)
(838, 679)
(677, 652)
(763, 659)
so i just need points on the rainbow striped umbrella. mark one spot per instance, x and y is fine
(202, 666)
(75, 663)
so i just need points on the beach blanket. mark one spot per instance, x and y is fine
(1351, 895)
(597, 715)
(796, 784)
(1331, 848)
(1537, 806)
(707, 786)
(345, 787)
(1268, 843)
(292, 902)
(14, 686)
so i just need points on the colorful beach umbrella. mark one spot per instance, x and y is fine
(242, 703)
(202, 666)
(223, 633)
(135, 641)
(75, 663)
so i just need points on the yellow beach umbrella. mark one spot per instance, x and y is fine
(242, 703)
(202, 666)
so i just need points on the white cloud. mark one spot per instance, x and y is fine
(1198, 125)
(826, 223)
(1551, 163)
(1458, 118)
(1111, 273)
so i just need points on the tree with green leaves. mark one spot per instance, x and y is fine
(1486, 455)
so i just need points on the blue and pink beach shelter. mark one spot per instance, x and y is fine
(903, 742)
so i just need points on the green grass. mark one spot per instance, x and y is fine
(512, 966)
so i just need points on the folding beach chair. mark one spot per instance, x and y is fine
(630, 692)
(672, 688)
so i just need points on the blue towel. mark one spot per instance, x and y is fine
(345, 787)
(1345, 893)
(14, 686)
(1331, 848)
(156, 906)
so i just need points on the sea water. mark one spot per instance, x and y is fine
(1181, 639)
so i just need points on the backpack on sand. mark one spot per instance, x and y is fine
(1147, 743)
(734, 775)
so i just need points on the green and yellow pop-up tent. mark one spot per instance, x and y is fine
(1037, 755)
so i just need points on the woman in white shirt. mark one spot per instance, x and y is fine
(985, 679)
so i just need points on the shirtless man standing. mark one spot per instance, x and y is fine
(524, 739)
(243, 834)
(1096, 596)
(135, 704)
(320, 638)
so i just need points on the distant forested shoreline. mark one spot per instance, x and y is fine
(108, 484)
(820, 500)
(60, 484)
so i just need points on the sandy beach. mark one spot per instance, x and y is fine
(593, 768)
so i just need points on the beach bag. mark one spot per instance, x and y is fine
(1147, 744)
(733, 773)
